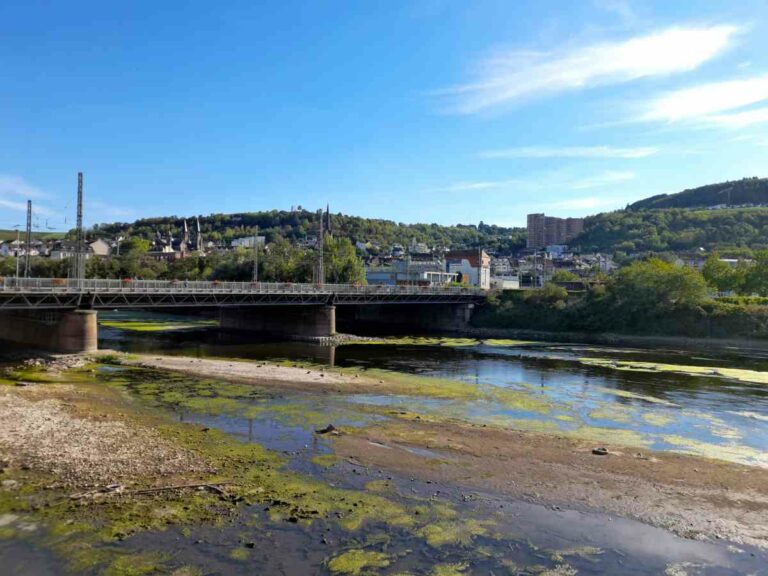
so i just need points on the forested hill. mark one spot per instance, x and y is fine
(737, 193)
(297, 225)
(733, 231)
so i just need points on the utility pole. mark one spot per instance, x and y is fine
(27, 256)
(320, 248)
(78, 260)
(255, 254)
(18, 244)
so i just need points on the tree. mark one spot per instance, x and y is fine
(342, 265)
(719, 274)
(135, 246)
(284, 262)
(756, 276)
(651, 288)
(565, 276)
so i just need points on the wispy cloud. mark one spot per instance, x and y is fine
(519, 75)
(586, 203)
(15, 191)
(108, 210)
(705, 101)
(570, 152)
(16, 186)
(538, 184)
(603, 179)
(621, 8)
(740, 119)
(471, 186)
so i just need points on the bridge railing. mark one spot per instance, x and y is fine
(69, 285)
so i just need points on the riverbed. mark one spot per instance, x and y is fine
(446, 456)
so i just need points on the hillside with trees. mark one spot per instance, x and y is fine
(752, 191)
(733, 232)
(299, 225)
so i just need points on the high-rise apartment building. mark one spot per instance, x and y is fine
(547, 230)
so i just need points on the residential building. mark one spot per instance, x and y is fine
(472, 267)
(501, 267)
(248, 242)
(505, 282)
(548, 230)
(100, 248)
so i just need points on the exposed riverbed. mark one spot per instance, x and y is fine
(452, 457)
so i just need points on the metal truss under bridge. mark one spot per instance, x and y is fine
(61, 293)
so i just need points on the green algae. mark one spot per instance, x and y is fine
(137, 565)
(658, 419)
(378, 486)
(506, 342)
(613, 412)
(456, 533)
(240, 554)
(611, 435)
(356, 561)
(730, 452)
(325, 460)
(440, 341)
(455, 569)
(415, 341)
(741, 375)
(157, 325)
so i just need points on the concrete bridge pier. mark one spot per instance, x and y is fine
(63, 331)
(306, 322)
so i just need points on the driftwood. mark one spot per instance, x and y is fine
(120, 489)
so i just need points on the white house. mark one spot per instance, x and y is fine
(472, 267)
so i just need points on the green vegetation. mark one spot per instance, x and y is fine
(299, 225)
(282, 262)
(734, 232)
(651, 297)
(355, 561)
(744, 191)
(10, 235)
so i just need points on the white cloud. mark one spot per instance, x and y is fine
(587, 203)
(570, 152)
(621, 8)
(15, 186)
(15, 191)
(604, 179)
(10, 204)
(470, 186)
(740, 119)
(706, 100)
(518, 75)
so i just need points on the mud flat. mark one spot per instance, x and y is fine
(694, 497)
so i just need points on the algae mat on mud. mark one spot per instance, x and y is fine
(89, 532)
(752, 376)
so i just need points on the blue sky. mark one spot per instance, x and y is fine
(417, 111)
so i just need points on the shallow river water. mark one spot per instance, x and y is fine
(707, 404)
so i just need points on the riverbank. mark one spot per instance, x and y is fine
(719, 500)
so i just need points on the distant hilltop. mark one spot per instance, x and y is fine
(744, 192)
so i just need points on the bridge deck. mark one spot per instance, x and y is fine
(61, 293)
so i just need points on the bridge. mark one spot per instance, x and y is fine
(60, 314)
